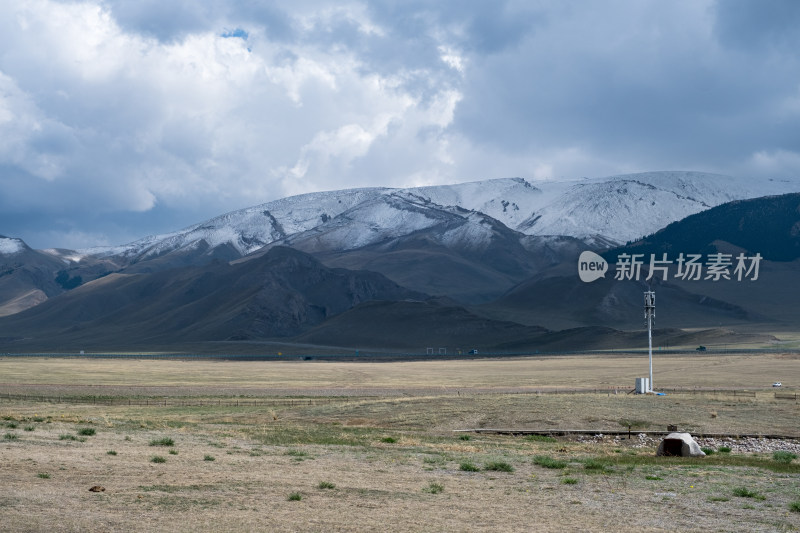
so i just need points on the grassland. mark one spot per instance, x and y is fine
(381, 452)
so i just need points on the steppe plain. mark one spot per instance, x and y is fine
(188, 445)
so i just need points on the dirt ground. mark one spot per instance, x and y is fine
(391, 462)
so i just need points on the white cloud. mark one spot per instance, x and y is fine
(201, 107)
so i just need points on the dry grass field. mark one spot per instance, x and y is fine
(374, 447)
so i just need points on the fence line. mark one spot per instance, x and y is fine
(785, 396)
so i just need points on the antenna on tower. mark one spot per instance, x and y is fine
(649, 316)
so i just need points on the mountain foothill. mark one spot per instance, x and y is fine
(488, 266)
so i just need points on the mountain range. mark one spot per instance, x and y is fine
(489, 264)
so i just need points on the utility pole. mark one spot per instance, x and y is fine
(649, 315)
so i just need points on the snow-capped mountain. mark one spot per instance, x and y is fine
(249, 229)
(600, 211)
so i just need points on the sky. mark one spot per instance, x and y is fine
(122, 119)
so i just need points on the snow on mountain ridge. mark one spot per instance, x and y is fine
(609, 210)
(388, 216)
(251, 228)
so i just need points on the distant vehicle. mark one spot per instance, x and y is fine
(473, 352)
(777, 384)
(701, 348)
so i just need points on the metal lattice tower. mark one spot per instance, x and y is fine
(649, 316)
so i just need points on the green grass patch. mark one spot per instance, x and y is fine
(295, 497)
(546, 461)
(173, 451)
(744, 492)
(724, 449)
(795, 507)
(111, 452)
(158, 459)
(708, 451)
(164, 441)
(498, 466)
(66, 436)
(782, 456)
(11, 425)
(569, 481)
(464, 437)
(209, 458)
(87, 432)
(540, 438)
(326, 485)
(716, 460)
(595, 465)
(10, 436)
(323, 435)
(467, 466)
(389, 440)
(43, 475)
(653, 478)
(30, 428)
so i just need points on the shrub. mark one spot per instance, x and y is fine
(434, 488)
(86, 432)
(29, 428)
(164, 441)
(10, 436)
(744, 492)
(209, 458)
(653, 478)
(724, 449)
(326, 485)
(707, 450)
(43, 475)
(498, 466)
(467, 466)
(464, 437)
(389, 440)
(11, 425)
(66, 436)
(295, 497)
(173, 451)
(111, 452)
(158, 459)
(569, 481)
(548, 462)
(782, 456)
(795, 507)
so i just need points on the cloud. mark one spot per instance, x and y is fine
(149, 113)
